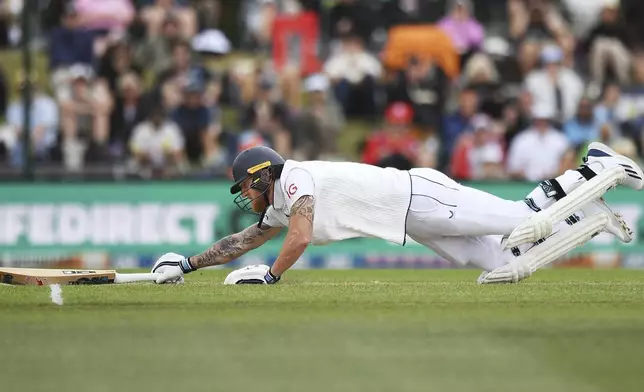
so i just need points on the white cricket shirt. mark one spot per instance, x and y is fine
(351, 200)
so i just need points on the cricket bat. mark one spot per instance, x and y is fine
(45, 277)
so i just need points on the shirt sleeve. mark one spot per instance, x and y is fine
(297, 183)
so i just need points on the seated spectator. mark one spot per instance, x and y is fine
(455, 124)
(610, 109)
(269, 117)
(116, 62)
(172, 81)
(85, 115)
(584, 127)
(517, 116)
(538, 153)
(318, 126)
(198, 128)
(155, 53)
(608, 44)
(534, 23)
(395, 140)
(423, 84)
(157, 145)
(154, 16)
(353, 72)
(69, 44)
(632, 103)
(43, 128)
(481, 75)
(554, 86)
(479, 153)
(129, 110)
(466, 32)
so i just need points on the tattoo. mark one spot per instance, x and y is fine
(304, 207)
(233, 246)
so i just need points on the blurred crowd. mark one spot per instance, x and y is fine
(485, 90)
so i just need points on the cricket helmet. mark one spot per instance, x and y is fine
(260, 163)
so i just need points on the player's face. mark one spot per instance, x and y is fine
(258, 203)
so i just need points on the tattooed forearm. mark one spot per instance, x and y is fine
(235, 245)
(304, 207)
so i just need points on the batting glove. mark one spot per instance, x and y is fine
(171, 267)
(252, 274)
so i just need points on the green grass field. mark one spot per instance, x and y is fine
(331, 331)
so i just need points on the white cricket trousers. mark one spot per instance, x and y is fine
(462, 224)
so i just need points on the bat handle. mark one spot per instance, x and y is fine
(131, 278)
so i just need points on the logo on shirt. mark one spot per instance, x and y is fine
(291, 190)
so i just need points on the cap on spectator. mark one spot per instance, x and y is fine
(211, 41)
(317, 82)
(399, 113)
(551, 54)
(481, 121)
(543, 112)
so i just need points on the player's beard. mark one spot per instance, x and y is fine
(259, 204)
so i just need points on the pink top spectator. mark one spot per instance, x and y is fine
(465, 34)
(105, 14)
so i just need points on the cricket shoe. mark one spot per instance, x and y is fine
(606, 157)
(616, 226)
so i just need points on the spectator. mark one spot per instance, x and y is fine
(319, 126)
(608, 43)
(481, 75)
(423, 84)
(405, 12)
(455, 124)
(395, 143)
(268, 117)
(610, 110)
(584, 127)
(632, 104)
(197, 126)
(534, 23)
(479, 153)
(155, 53)
(85, 117)
(173, 80)
(517, 116)
(538, 153)
(466, 32)
(116, 62)
(157, 144)
(554, 86)
(129, 110)
(353, 72)
(69, 44)
(43, 130)
(155, 15)
(4, 91)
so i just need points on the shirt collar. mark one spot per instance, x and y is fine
(278, 196)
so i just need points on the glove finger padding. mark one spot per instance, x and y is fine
(252, 274)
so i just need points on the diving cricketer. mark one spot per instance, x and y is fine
(321, 202)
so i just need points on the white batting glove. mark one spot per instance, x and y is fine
(171, 267)
(252, 274)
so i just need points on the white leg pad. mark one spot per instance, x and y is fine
(545, 253)
(539, 225)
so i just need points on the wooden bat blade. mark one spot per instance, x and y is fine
(43, 277)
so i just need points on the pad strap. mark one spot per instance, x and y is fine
(552, 188)
(587, 172)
